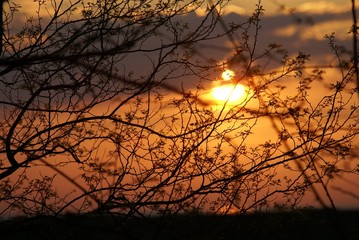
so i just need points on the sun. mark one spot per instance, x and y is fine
(229, 93)
(227, 75)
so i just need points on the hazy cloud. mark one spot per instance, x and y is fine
(235, 9)
(317, 31)
(320, 7)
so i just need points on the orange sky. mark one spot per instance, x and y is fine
(280, 27)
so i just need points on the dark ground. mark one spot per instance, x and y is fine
(304, 224)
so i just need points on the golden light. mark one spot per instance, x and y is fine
(229, 93)
(226, 91)
(227, 75)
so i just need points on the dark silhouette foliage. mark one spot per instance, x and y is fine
(105, 109)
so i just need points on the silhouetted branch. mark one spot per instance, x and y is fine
(355, 42)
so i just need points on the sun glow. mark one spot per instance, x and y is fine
(227, 75)
(229, 93)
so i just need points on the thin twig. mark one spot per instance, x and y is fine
(355, 48)
(1, 25)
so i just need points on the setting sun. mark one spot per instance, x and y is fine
(227, 75)
(230, 93)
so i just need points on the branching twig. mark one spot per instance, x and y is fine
(355, 47)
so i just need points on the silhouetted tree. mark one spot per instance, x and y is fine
(105, 107)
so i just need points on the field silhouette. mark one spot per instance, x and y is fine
(303, 224)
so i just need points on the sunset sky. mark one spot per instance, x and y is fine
(297, 25)
(308, 6)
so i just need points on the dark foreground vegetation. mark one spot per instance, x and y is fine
(304, 224)
(111, 105)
